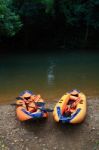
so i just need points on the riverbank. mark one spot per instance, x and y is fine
(48, 135)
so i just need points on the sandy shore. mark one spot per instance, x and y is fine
(48, 135)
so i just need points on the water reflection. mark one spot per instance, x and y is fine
(51, 73)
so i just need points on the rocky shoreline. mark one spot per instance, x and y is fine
(48, 135)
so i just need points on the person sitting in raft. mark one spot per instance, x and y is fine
(72, 103)
(29, 100)
(74, 95)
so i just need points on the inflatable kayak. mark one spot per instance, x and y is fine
(29, 106)
(71, 108)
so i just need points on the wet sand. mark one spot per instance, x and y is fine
(47, 134)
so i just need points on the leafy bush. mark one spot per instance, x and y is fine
(9, 21)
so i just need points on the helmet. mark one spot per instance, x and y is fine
(26, 94)
(74, 92)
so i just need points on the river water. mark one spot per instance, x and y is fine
(49, 74)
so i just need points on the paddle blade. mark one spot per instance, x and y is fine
(46, 109)
(49, 110)
(19, 98)
(14, 104)
(40, 104)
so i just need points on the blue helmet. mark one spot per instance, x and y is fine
(26, 92)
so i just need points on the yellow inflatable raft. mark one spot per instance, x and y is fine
(29, 106)
(71, 108)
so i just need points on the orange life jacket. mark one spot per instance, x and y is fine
(71, 108)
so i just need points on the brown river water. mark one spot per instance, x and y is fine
(50, 75)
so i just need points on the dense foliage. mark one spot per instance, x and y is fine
(78, 15)
(9, 21)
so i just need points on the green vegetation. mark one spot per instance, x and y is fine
(9, 21)
(80, 17)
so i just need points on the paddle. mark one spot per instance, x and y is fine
(19, 98)
(46, 109)
(14, 104)
(39, 104)
(41, 107)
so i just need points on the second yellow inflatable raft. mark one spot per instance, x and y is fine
(71, 108)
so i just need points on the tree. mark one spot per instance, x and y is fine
(10, 22)
(81, 13)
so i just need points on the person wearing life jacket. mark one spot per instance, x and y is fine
(29, 100)
(32, 107)
(73, 101)
(75, 98)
